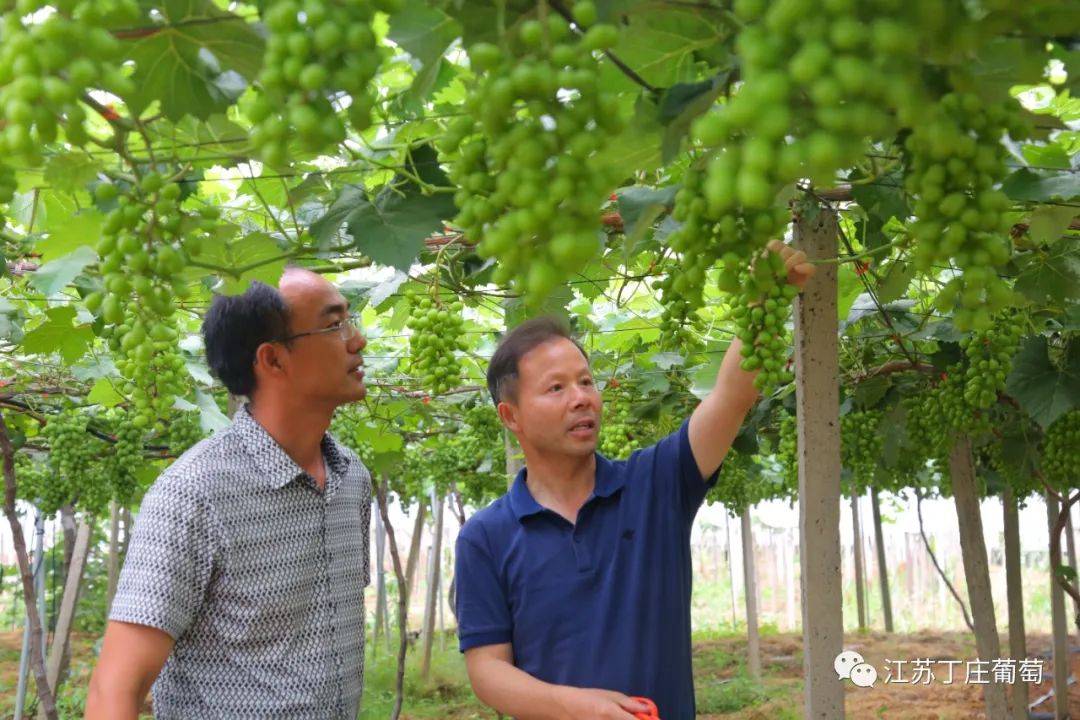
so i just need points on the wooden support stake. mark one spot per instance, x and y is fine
(818, 409)
(434, 567)
(750, 581)
(883, 568)
(1015, 592)
(64, 622)
(1059, 624)
(857, 550)
(976, 569)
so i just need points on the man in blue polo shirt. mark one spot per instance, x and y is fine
(573, 589)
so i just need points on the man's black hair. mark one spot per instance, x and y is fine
(234, 328)
(502, 374)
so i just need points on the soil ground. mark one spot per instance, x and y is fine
(723, 688)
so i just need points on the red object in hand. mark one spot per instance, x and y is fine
(651, 714)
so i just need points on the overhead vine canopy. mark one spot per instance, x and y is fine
(625, 161)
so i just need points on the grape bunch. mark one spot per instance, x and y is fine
(706, 236)
(183, 432)
(761, 310)
(46, 65)
(436, 333)
(72, 456)
(528, 154)
(817, 83)
(1061, 450)
(125, 460)
(620, 433)
(478, 456)
(733, 485)
(482, 436)
(37, 484)
(989, 356)
(937, 415)
(317, 53)
(144, 250)
(955, 160)
(861, 445)
(787, 450)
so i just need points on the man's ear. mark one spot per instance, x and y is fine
(508, 413)
(269, 360)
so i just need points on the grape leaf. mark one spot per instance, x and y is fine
(104, 393)
(57, 334)
(1044, 391)
(1051, 276)
(1041, 185)
(197, 62)
(53, 277)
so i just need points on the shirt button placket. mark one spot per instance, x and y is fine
(328, 559)
(581, 550)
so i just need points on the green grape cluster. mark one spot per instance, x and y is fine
(1022, 483)
(144, 250)
(935, 416)
(733, 486)
(481, 438)
(72, 460)
(317, 53)
(742, 484)
(989, 356)
(861, 446)
(183, 432)
(528, 155)
(38, 485)
(761, 310)
(94, 490)
(620, 433)
(46, 65)
(955, 161)
(1061, 451)
(125, 460)
(470, 460)
(707, 235)
(436, 333)
(787, 450)
(818, 81)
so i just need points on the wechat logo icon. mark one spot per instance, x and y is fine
(850, 665)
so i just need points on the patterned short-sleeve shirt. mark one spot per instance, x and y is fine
(259, 577)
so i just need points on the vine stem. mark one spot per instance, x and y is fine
(840, 260)
(937, 566)
(625, 69)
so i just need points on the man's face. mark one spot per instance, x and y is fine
(322, 367)
(558, 408)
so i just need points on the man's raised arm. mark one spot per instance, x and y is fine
(717, 419)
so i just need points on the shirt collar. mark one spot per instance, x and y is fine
(276, 468)
(608, 481)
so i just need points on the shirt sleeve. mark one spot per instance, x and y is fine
(170, 560)
(483, 613)
(675, 468)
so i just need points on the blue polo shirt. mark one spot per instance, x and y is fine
(604, 603)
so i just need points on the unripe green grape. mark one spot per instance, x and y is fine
(436, 334)
(958, 219)
(1061, 450)
(527, 158)
(313, 56)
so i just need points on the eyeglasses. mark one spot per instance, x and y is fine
(344, 328)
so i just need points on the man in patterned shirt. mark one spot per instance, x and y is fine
(242, 592)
